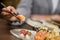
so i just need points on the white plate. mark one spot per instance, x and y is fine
(38, 24)
(33, 23)
(16, 33)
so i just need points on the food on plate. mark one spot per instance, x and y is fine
(56, 38)
(41, 35)
(28, 37)
(29, 33)
(21, 17)
(25, 33)
(46, 33)
(22, 36)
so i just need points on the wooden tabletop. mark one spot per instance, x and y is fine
(5, 30)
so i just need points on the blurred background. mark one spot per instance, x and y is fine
(10, 2)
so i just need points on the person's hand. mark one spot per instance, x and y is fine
(7, 15)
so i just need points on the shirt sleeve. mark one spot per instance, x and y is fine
(24, 7)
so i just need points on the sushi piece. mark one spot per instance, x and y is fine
(21, 17)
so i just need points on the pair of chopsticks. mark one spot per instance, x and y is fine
(14, 14)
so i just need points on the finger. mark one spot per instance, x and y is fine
(13, 18)
(5, 13)
(4, 9)
(9, 8)
(12, 9)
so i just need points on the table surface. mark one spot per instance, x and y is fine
(5, 30)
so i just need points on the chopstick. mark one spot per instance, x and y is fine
(3, 4)
(55, 23)
(9, 12)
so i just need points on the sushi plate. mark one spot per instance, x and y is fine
(16, 33)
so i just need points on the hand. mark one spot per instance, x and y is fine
(7, 15)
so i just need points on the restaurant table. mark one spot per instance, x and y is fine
(5, 30)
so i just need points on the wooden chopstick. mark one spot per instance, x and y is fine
(3, 4)
(55, 23)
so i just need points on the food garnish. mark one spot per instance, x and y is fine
(25, 32)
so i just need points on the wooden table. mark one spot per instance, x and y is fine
(5, 30)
